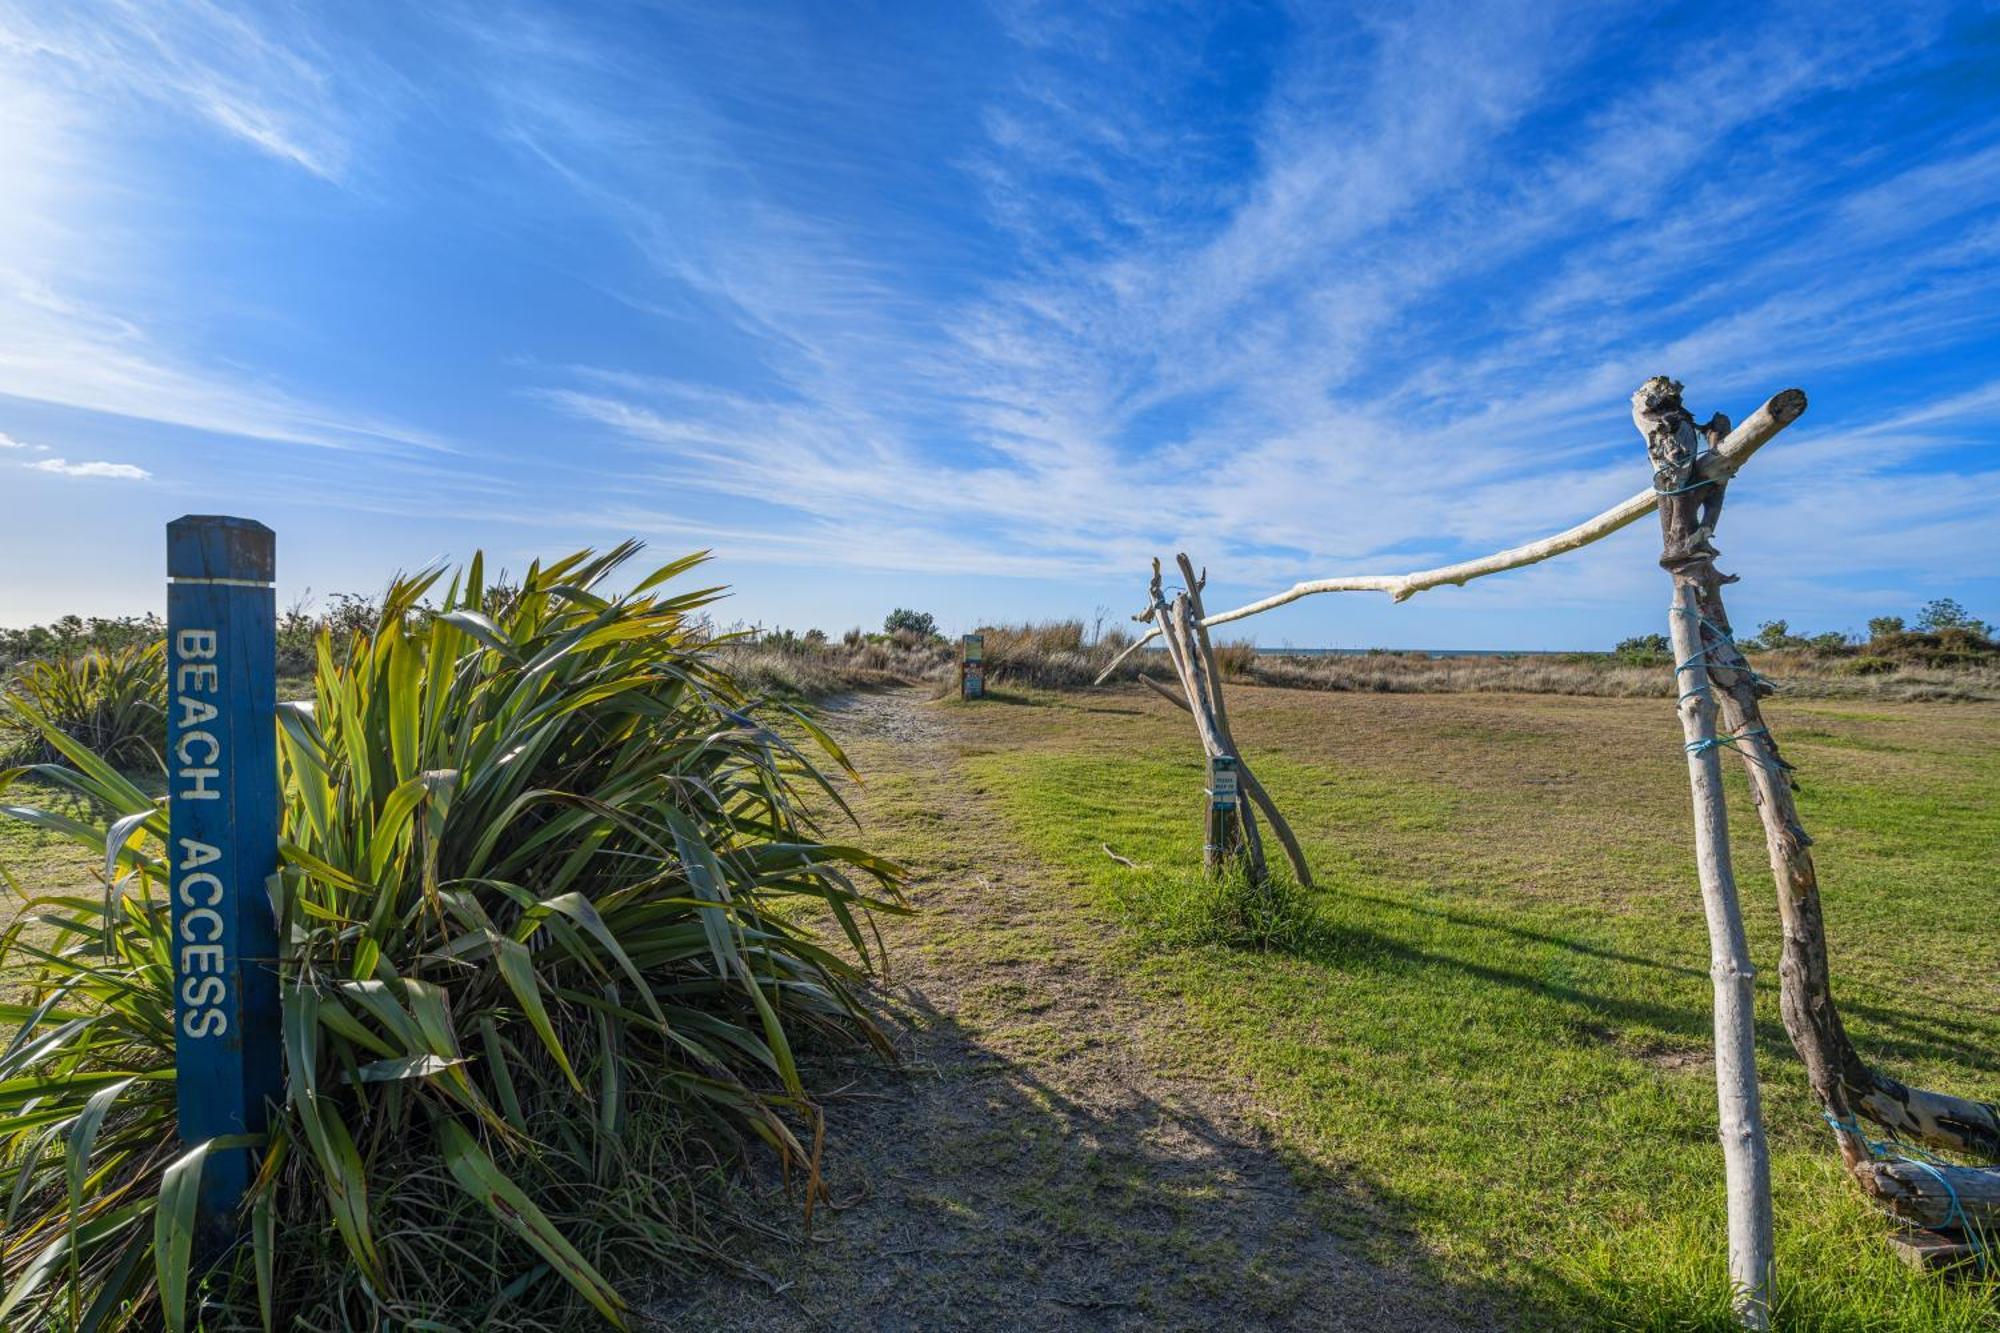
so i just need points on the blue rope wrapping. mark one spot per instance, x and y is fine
(1891, 1150)
(1683, 490)
(1722, 637)
(1708, 743)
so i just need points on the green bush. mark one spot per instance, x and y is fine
(543, 890)
(1944, 613)
(73, 636)
(112, 701)
(1644, 650)
(1869, 664)
(902, 620)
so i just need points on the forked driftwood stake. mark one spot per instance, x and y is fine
(1924, 1193)
(1253, 789)
(1231, 825)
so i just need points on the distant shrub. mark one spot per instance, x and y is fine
(76, 636)
(1868, 665)
(1235, 657)
(905, 621)
(1774, 636)
(1644, 650)
(1944, 613)
(1884, 627)
(112, 701)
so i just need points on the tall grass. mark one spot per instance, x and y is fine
(1799, 675)
(543, 896)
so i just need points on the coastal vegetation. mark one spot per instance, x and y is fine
(572, 947)
(557, 908)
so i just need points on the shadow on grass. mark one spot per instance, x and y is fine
(971, 1191)
(1900, 1034)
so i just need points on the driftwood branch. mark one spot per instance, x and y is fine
(1729, 454)
(1745, 1155)
(1919, 1193)
(1209, 676)
(1192, 646)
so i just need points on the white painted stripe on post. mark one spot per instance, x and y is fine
(227, 583)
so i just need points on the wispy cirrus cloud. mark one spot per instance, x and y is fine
(1403, 327)
(273, 92)
(92, 315)
(1024, 289)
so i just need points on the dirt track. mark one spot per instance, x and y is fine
(1026, 1166)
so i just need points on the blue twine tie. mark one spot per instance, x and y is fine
(1683, 490)
(1707, 743)
(1890, 1150)
(1699, 659)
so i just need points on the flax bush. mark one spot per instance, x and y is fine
(111, 700)
(554, 916)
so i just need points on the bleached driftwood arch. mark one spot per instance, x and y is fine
(1692, 466)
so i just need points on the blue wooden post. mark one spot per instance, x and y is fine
(222, 814)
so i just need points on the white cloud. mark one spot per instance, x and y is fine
(1285, 384)
(198, 60)
(62, 467)
(87, 281)
(9, 442)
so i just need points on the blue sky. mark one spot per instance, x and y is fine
(978, 308)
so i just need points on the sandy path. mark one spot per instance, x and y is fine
(1027, 1166)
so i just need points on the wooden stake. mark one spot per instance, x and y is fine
(1251, 788)
(1746, 1159)
(1687, 508)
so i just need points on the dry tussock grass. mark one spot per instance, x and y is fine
(1059, 655)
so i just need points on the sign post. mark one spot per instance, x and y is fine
(972, 667)
(222, 817)
(1220, 828)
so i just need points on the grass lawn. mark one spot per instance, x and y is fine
(1492, 1016)
(35, 863)
(1483, 1039)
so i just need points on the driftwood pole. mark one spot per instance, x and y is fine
(1926, 1194)
(1687, 508)
(1229, 828)
(1746, 1158)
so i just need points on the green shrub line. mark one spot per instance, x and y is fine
(543, 884)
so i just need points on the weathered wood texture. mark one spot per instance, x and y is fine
(1730, 454)
(1252, 789)
(1930, 1252)
(1746, 1156)
(1844, 1083)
